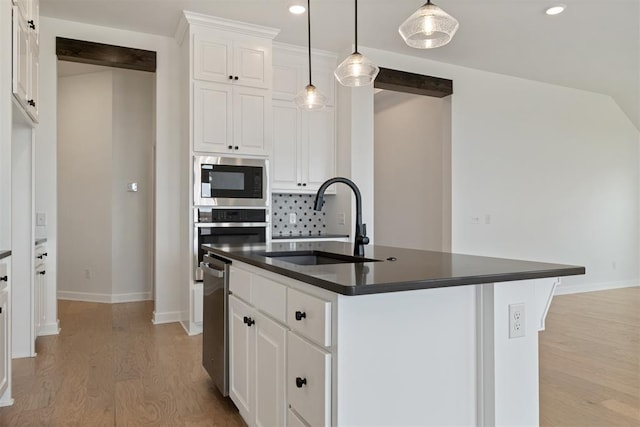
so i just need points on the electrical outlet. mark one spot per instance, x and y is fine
(87, 274)
(293, 218)
(516, 320)
(475, 220)
(41, 219)
(341, 218)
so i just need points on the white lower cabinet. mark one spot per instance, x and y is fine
(280, 369)
(257, 350)
(309, 380)
(4, 341)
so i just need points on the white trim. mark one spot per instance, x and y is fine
(223, 24)
(4, 403)
(303, 50)
(104, 298)
(49, 329)
(592, 287)
(191, 328)
(166, 317)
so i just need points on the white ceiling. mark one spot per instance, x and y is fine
(594, 45)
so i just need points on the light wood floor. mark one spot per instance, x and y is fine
(590, 360)
(110, 366)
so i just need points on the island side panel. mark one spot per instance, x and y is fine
(406, 358)
(508, 377)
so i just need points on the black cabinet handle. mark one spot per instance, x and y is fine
(300, 382)
(4, 279)
(32, 24)
(42, 272)
(301, 315)
(235, 78)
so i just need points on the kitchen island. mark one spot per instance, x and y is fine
(406, 338)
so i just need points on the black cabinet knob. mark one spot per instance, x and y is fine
(230, 147)
(42, 272)
(31, 102)
(45, 254)
(40, 256)
(236, 147)
(301, 315)
(230, 77)
(32, 24)
(4, 279)
(235, 78)
(304, 184)
(299, 184)
(300, 382)
(250, 322)
(245, 320)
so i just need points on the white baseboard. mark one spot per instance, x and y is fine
(191, 328)
(166, 317)
(4, 403)
(49, 329)
(105, 298)
(592, 287)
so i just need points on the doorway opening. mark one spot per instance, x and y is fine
(412, 160)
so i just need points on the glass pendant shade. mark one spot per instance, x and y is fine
(356, 70)
(310, 98)
(428, 27)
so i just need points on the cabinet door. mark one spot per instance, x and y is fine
(251, 120)
(34, 64)
(212, 117)
(4, 341)
(241, 356)
(20, 57)
(212, 58)
(319, 147)
(285, 154)
(288, 75)
(252, 63)
(270, 406)
(309, 380)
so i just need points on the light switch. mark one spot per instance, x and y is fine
(132, 187)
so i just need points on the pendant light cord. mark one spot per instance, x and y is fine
(356, 27)
(309, 35)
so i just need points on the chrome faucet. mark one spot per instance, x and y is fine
(361, 238)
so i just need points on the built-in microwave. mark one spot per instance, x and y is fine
(230, 181)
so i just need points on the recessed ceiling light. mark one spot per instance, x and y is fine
(297, 9)
(555, 10)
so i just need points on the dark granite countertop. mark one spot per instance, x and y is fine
(412, 269)
(316, 236)
(41, 240)
(4, 254)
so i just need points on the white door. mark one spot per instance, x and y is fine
(285, 154)
(252, 63)
(20, 57)
(270, 406)
(319, 155)
(241, 356)
(212, 59)
(212, 117)
(251, 119)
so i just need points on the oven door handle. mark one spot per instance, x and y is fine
(206, 268)
(230, 224)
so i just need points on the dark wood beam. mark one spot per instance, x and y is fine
(105, 54)
(402, 81)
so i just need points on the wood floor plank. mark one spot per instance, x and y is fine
(110, 366)
(590, 360)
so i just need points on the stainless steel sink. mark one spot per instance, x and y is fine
(315, 257)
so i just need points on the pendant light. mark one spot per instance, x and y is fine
(428, 27)
(356, 70)
(310, 98)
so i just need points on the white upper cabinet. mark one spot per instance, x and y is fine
(25, 55)
(246, 61)
(304, 142)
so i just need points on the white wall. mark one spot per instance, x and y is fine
(410, 187)
(84, 156)
(132, 212)
(556, 170)
(169, 272)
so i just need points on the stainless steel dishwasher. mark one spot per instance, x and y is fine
(215, 336)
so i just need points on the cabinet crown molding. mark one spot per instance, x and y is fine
(284, 47)
(217, 23)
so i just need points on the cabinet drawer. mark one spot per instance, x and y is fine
(309, 316)
(309, 381)
(240, 283)
(269, 297)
